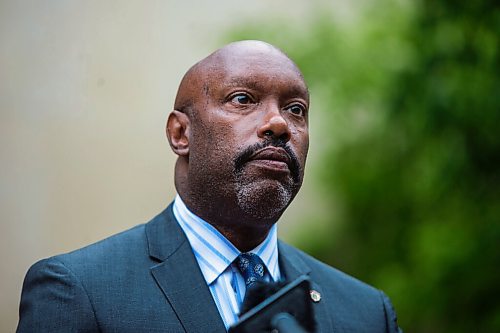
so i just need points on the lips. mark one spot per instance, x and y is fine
(272, 157)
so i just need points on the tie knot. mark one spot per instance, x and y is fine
(251, 267)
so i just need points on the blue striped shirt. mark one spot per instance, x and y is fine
(215, 255)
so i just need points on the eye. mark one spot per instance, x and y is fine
(297, 109)
(241, 98)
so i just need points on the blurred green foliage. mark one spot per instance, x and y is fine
(408, 97)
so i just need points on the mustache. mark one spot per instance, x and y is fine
(244, 156)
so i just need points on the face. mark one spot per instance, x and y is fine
(249, 133)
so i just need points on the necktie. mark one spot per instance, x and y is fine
(251, 268)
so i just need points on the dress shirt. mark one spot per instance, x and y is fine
(215, 255)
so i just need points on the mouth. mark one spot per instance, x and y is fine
(276, 159)
(272, 158)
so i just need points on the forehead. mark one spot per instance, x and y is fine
(260, 69)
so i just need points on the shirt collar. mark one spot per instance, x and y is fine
(214, 252)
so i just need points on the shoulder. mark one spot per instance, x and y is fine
(96, 260)
(97, 283)
(324, 272)
(355, 305)
(113, 255)
(127, 247)
(106, 251)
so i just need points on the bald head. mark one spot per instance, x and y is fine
(242, 54)
(240, 130)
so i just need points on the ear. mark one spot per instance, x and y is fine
(178, 131)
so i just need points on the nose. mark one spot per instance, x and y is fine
(274, 125)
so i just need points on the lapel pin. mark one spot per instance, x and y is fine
(315, 295)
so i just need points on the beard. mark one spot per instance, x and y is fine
(266, 198)
(261, 201)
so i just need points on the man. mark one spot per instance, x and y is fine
(240, 131)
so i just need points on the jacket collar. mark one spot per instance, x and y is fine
(179, 277)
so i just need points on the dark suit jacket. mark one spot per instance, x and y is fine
(147, 279)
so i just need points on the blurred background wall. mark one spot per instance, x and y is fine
(401, 186)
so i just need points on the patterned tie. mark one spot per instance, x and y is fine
(251, 267)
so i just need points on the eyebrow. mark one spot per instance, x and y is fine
(252, 83)
(245, 81)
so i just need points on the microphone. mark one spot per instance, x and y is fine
(283, 307)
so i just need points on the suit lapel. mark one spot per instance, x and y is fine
(292, 266)
(179, 277)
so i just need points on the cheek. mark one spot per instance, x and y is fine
(211, 149)
(233, 135)
(300, 140)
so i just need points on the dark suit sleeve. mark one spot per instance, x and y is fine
(390, 315)
(54, 300)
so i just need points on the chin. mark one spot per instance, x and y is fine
(265, 200)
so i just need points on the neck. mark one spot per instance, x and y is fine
(244, 232)
(243, 238)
